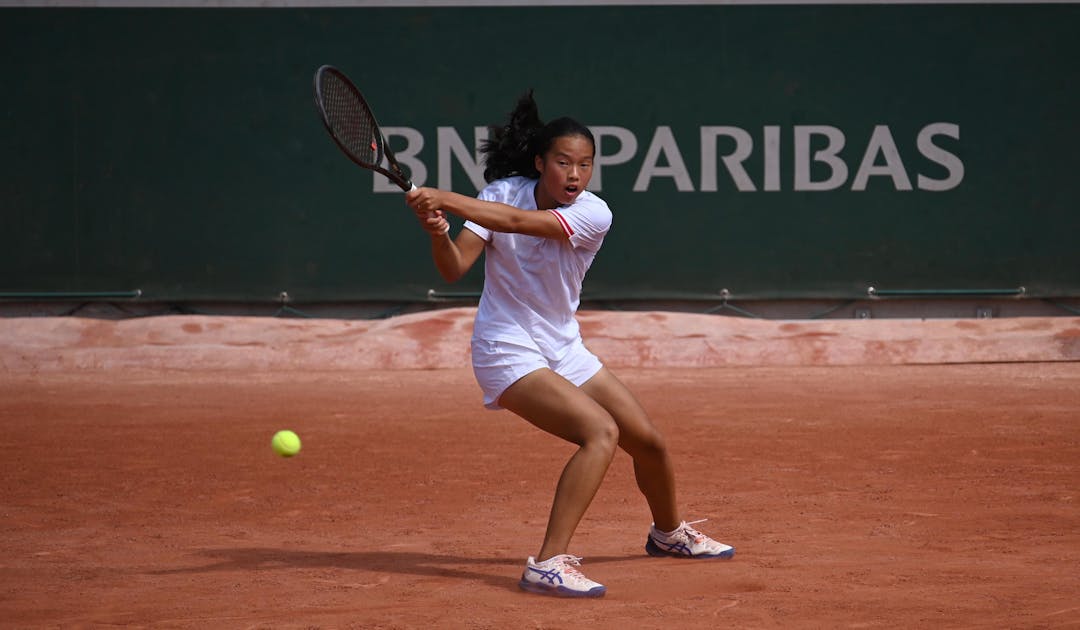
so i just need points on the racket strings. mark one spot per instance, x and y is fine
(350, 120)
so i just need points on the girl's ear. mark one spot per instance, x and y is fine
(538, 161)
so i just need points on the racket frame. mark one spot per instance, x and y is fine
(382, 148)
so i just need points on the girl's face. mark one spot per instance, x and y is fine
(564, 171)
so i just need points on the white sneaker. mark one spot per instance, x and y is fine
(685, 542)
(559, 576)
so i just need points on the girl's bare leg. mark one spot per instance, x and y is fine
(638, 436)
(555, 405)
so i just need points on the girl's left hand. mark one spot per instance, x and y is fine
(424, 199)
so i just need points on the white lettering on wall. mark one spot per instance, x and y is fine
(627, 148)
(881, 143)
(744, 145)
(450, 144)
(663, 143)
(731, 158)
(830, 156)
(772, 158)
(936, 154)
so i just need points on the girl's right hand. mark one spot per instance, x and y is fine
(424, 202)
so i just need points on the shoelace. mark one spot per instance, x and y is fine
(693, 533)
(570, 563)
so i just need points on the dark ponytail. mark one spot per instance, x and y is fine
(508, 149)
(511, 149)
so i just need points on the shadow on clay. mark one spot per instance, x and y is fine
(404, 562)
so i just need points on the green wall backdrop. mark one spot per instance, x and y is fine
(773, 151)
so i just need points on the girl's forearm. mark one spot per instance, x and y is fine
(447, 257)
(494, 216)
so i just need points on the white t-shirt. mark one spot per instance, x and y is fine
(532, 285)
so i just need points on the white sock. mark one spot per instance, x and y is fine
(668, 534)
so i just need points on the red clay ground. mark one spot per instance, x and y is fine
(889, 496)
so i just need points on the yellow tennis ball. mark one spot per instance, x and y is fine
(285, 443)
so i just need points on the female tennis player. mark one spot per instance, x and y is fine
(539, 229)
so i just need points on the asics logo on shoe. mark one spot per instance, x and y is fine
(676, 547)
(548, 576)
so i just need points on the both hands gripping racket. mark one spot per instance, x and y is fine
(352, 125)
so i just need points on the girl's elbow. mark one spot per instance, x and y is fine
(515, 224)
(451, 274)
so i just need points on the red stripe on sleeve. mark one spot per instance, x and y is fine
(562, 221)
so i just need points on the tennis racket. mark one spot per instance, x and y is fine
(351, 124)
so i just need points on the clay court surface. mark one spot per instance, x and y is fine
(869, 489)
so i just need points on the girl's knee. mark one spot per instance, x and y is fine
(648, 445)
(603, 433)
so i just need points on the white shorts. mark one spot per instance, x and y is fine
(499, 364)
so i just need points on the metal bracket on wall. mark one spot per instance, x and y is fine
(724, 305)
(71, 295)
(875, 292)
(442, 296)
